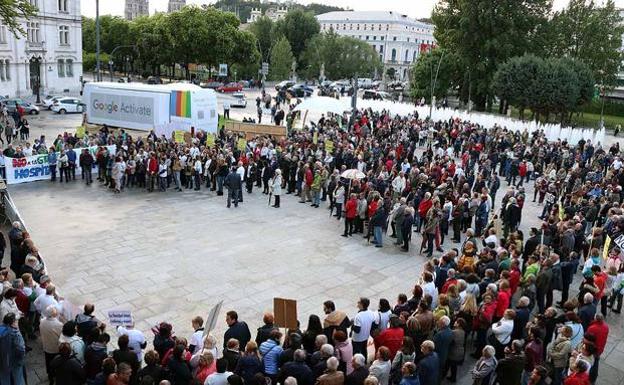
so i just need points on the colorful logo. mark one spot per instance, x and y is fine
(180, 104)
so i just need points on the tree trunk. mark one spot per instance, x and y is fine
(501, 107)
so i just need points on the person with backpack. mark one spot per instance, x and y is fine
(12, 352)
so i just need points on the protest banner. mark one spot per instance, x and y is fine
(285, 311)
(605, 250)
(211, 320)
(120, 318)
(315, 137)
(37, 167)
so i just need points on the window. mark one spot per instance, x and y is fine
(407, 55)
(382, 38)
(64, 35)
(393, 54)
(374, 47)
(3, 34)
(7, 68)
(380, 27)
(374, 37)
(364, 27)
(61, 68)
(63, 5)
(33, 3)
(69, 68)
(2, 72)
(351, 27)
(408, 39)
(358, 27)
(381, 49)
(387, 27)
(415, 52)
(32, 30)
(394, 38)
(366, 37)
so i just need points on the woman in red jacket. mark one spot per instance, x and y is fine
(502, 300)
(350, 214)
(579, 376)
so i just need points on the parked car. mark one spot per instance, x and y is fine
(374, 95)
(49, 100)
(376, 84)
(29, 108)
(284, 85)
(300, 91)
(154, 80)
(365, 83)
(68, 105)
(239, 100)
(396, 86)
(230, 87)
(212, 84)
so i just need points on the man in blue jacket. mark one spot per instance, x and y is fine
(12, 352)
(429, 365)
(71, 159)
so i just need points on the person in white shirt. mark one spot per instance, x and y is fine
(502, 331)
(240, 170)
(196, 341)
(398, 184)
(49, 298)
(221, 376)
(136, 340)
(361, 327)
(430, 288)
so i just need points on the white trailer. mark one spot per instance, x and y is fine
(145, 107)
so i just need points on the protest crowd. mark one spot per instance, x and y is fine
(488, 290)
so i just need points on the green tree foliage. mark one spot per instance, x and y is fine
(88, 60)
(298, 27)
(193, 35)
(592, 34)
(424, 74)
(281, 60)
(264, 31)
(545, 86)
(344, 57)
(484, 35)
(11, 11)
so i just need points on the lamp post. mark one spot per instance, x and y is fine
(435, 80)
(110, 62)
(97, 41)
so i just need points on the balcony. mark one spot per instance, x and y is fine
(35, 46)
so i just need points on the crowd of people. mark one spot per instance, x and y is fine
(489, 291)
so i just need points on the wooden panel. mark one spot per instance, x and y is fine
(285, 311)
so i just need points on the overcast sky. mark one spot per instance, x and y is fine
(413, 8)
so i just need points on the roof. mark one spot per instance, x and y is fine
(165, 88)
(370, 16)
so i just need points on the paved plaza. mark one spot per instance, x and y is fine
(171, 256)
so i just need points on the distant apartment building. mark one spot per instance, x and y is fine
(398, 39)
(136, 8)
(48, 58)
(175, 5)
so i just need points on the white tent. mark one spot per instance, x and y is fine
(324, 104)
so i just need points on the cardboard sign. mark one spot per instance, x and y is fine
(285, 311)
(242, 144)
(605, 250)
(120, 318)
(80, 132)
(315, 137)
(211, 320)
(179, 136)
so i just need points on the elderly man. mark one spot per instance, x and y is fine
(442, 340)
(360, 371)
(297, 369)
(332, 376)
(49, 298)
(50, 328)
(429, 366)
(587, 311)
(319, 368)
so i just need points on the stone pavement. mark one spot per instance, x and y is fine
(171, 256)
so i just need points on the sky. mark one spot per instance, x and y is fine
(413, 8)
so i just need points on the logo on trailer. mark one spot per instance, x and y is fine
(180, 104)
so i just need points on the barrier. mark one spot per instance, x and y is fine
(252, 130)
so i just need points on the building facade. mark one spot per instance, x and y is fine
(175, 5)
(136, 8)
(48, 58)
(397, 39)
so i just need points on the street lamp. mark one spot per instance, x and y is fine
(97, 40)
(434, 84)
(110, 62)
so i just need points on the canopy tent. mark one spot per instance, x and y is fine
(324, 104)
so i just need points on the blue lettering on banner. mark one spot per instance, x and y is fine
(32, 172)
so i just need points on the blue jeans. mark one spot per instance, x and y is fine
(317, 198)
(16, 373)
(220, 184)
(378, 235)
(232, 195)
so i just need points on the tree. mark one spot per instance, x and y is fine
(484, 35)
(343, 57)
(281, 60)
(391, 73)
(591, 34)
(154, 42)
(424, 70)
(298, 27)
(264, 31)
(11, 11)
